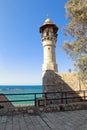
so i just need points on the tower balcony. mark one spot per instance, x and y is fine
(51, 38)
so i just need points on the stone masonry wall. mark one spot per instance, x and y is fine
(53, 82)
(72, 80)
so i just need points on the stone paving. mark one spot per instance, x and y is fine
(69, 120)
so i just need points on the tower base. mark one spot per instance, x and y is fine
(52, 82)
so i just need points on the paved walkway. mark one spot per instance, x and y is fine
(70, 120)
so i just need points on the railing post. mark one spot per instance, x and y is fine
(66, 97)
(35, 98)
(84, 95)
(61, 97)
(46, 95)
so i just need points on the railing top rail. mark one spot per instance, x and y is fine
(35, 95)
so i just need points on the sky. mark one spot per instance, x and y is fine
(21, 51)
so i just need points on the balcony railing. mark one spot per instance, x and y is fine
(64, 97)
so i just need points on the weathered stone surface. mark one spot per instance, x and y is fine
(72, 80)
(53, 81)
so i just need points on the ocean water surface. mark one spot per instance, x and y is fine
(22, 89)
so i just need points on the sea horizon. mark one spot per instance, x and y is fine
(19, 86)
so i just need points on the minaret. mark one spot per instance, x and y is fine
(49, 38)
(51, 80)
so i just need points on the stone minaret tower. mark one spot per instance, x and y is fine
(49, 69)
(49, 38)
(52, 81)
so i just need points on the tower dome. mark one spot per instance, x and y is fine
(48, 23)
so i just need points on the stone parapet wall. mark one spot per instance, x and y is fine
(18, 110)
(64, 107)
(72, 80)
(49, 108)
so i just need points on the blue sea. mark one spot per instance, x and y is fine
(25, 91)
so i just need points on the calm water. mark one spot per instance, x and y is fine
(19, 90)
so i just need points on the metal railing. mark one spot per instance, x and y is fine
(62, 97)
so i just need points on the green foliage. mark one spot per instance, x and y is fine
(82, 66)
(76, 12)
